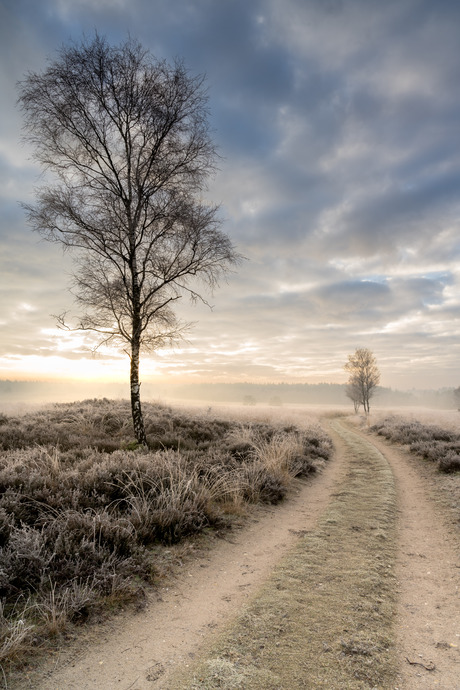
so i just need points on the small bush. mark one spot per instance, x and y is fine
(241, 450)
(260, 485)
(430, 442)
(450, 462)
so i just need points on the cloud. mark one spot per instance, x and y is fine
(337, 126)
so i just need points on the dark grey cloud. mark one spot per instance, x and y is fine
(402, 213)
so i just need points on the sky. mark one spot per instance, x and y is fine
(338, 127)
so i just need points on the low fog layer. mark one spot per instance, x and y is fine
(24, 393)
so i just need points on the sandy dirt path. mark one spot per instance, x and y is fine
(139, 652)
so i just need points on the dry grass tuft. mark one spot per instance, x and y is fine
(15, 631)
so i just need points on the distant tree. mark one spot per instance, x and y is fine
(249, 400)
(364, 377)
(127, 138)
(353, 392)
(456, 394)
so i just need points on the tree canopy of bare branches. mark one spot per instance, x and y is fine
(126, 140)
(364, 377)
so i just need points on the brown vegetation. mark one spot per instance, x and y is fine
(84, 512)
(431, 442)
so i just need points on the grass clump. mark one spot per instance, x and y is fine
(431, 442)
(85, 514)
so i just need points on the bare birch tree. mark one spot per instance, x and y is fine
(126, 139)
(364, 377)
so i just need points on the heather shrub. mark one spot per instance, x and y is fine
(86, 546)
(430, 442)
(6, 524)
(82, 517)
(435, 450)
(450, 462)
(23, 559)
(241, 450)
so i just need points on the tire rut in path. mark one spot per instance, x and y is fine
(323, 620)
(428, 578)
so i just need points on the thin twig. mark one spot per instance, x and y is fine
(430, 667)
(130, 686)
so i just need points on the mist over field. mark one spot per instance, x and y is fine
(26, 393)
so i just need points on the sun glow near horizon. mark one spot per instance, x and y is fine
(72, 355)
(57, 367)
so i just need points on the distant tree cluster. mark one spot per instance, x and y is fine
(364, 377)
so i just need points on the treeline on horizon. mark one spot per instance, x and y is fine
(243, 393)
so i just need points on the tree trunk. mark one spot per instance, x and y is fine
(136, 411)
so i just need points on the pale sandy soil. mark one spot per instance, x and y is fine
(139, 651)
(428, 573)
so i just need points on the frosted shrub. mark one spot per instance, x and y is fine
(431, 442)
(83, 517)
